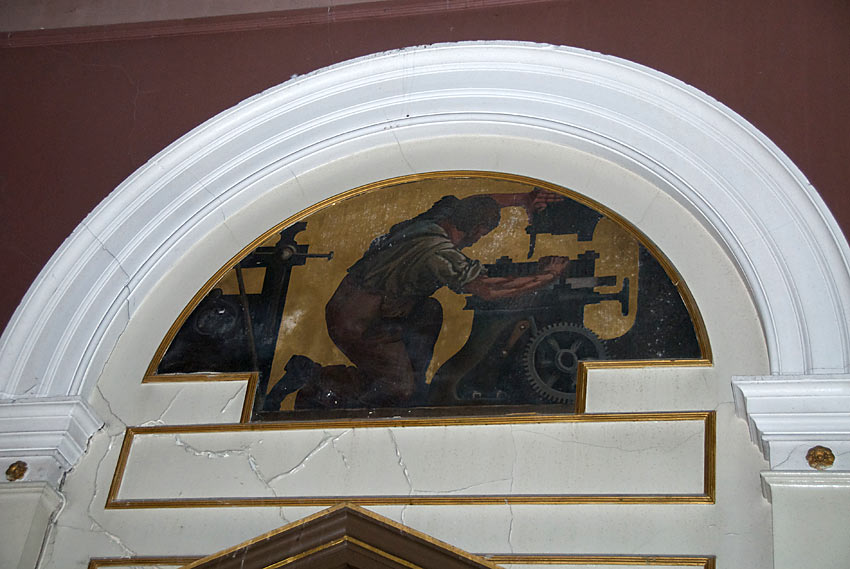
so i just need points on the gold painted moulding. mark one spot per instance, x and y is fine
(707, 496)
(702, 562)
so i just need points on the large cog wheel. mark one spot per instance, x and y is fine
(552, 357)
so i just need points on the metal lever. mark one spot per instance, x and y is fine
(290, 251)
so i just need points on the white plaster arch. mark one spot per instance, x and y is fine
(449, 106)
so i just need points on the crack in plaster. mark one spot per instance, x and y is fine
(95, 527)
(47, 543)
(255, 468)
(239, 395)
(611, 447)
(339, 451)
(401, 463)
(134, 101)
(10, 397)
(327, 439)
(109, 411)
(400, 149)
(295, 177)
(465, 488)
(112, 437)
(244, 451)
(160, 420)
(511, 490)
(791, 454)
(224, 220)
(109, 446)
(128, 552)
(210, 454)
(685, 441)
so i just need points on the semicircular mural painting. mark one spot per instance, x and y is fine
(438, 294)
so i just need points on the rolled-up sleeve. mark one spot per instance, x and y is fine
(452, 268)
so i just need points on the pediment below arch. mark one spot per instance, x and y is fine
(344, 536)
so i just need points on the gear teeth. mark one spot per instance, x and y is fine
(584, 344)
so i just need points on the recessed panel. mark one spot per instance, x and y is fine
(604, 458)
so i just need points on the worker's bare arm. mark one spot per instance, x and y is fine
(535, 200)
(494, 288)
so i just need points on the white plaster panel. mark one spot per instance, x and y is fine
(674, 530)
(26, 508)
(604, 530)
(644, 457)
(810, 519)
(176, 403)
(736, 529)
(86, 530)
(633, 390)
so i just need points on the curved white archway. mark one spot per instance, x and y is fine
(444, 107)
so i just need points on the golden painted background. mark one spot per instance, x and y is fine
(348, 227)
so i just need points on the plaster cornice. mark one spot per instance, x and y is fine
(787, 415)
(50, 434)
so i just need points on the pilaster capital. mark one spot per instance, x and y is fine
(789, 416)
(48, 434)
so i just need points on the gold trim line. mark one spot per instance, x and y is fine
(707, 497)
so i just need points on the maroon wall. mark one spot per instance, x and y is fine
(78, 118)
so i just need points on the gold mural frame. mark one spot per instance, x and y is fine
(176, 561)
(708, 495)
(705, 562)
(581, 389)
(699, 561)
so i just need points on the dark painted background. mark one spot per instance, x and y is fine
(78, 118)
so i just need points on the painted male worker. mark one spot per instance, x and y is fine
(383, 317)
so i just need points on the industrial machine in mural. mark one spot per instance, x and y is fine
(443, 294)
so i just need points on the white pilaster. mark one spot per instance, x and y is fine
(26, 509)
(810, 526)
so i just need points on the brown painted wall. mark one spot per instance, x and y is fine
(77, 119)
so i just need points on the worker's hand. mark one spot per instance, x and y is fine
(553, 265)
(539, 199)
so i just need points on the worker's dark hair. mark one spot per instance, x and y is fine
(465, 215)
(471, 212)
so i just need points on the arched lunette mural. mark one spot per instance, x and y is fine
(444, 292)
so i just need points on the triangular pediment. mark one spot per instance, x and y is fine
(345, 536)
